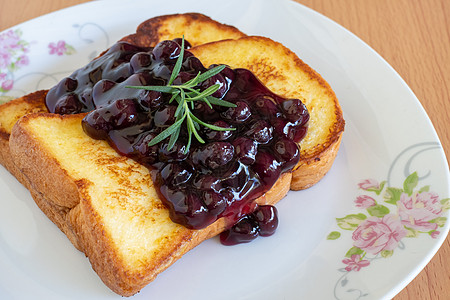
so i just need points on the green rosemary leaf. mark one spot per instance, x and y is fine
(168, 131)
(192, 82)
(194, 131)
(207, 92)
(177, 67)
(210, 73)
(213, 127)
(157, 88)
(173, 138)
(174, 95)
(180, 109)
(188, 145)
(207, 102)
(220, 102)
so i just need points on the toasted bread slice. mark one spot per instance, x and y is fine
(105, 203)
(197, 29)
(288, 76)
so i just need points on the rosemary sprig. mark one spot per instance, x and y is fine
(185, 95)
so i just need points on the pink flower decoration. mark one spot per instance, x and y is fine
(364, 201)
(9, 40)
(418, 210)
(5, 57)
(369, 184)
(375, 235)
(59, 48)
(355, 263)
(23, 61)
(434, 234)
(7, 84)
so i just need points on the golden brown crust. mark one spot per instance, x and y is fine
(64, 195)
(196, 28)
(311, 171)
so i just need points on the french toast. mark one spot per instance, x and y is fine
(115, 215)
(107, 204)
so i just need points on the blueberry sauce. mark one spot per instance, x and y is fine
(220, 178)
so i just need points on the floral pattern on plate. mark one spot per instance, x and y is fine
(60, 48)
(13, 56)
(390, 215)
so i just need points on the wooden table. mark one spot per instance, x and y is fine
(413, 36)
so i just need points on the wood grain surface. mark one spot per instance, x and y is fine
(413, 36)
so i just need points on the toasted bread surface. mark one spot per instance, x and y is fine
(196, 28)
(10, 113)
(285, 74)
(117, 219)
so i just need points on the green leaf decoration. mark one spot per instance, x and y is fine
(445, 204)
(334, 235)
(392, 195)
(378, 190)
(411, 233)
(410, 183)
(350, 222)
(70, 50)
(425, 189)
(439, 221)
(378, 210)
(353, 251)
(387, 253)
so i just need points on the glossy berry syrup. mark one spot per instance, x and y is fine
(220, 178)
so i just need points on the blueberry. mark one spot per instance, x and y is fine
(206, 182)
(287, 151)
(68, 104)
(246, 150)
(215, 202)
(216, 135)
(193, 64)
(183, 77)
(150, 100)
(176, 174)
(166, 51)
(295, 110)
(238, 114)
(176, 153)
(219, 80)
(187, 45)
(266, 107)
(96, 126)
(69, 84)
(213, 155)
(267, 218)
(260, 131)
(165, 116)
(145, 152)
(246, 230)
(140, 61)
(267, 167)
(123, 113)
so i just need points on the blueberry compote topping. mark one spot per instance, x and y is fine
(219, 178)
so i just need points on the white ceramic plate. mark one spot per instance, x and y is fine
(389, 146)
